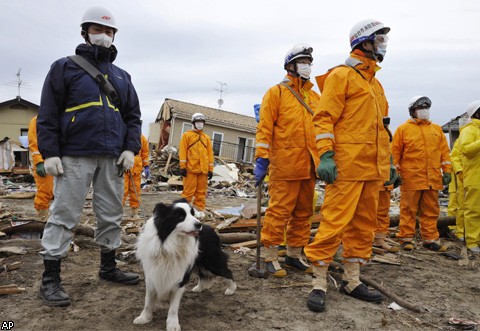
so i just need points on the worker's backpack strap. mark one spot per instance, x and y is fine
(104, 83)
(298, 97)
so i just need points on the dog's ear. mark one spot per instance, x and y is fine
(159, 208)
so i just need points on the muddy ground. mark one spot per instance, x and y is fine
(428, 280)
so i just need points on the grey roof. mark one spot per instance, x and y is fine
(452, 125)
(18, 100)
(218, 117)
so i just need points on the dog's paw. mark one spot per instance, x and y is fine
(198, 288)
(232, 287)
(173, 327)
(142, 319)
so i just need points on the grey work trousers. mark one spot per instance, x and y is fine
(70, 191)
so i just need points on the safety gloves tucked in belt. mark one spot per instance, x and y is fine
(147, 171)
(446, 178)
(40, 170)
(327, 170)
(183, 172)
(126, 159)
(397, 182)
(393, 175)
(210, 175)
(53, 166)
(260, 170)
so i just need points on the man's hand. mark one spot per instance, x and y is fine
(446, 178)
(126, 160)
(183, 172)
(147, 171)
(40, 170)
(260, 170)
(53, 166)
(327, 169)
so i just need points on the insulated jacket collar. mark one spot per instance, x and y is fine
(367, 66)
(419, 121)
(296, 83)
(97, 53)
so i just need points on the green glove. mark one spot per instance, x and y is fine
(393, 176)
(40, 169)
(446, 178)
(327, 170)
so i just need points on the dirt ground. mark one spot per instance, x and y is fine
(431, 281)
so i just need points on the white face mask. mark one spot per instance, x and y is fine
(304, 70)
(198, 125)
(423, 114)
(100, 39)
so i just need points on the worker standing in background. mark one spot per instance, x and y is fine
(456, 191)
(43, 182)
(133, 179)
(88, 136)
(285, 149)
(353, 145)
(470, 149)
(422, 158)
(196, 164)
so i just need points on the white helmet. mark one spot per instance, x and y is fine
(299, 50)
(99, 14)
(198, 117)
(462, 121)
(364, 30)
(419, 101)
(473, 108)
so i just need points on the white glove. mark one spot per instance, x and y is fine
(53, 166)
(127, 159)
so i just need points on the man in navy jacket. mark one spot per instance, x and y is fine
(87, 139)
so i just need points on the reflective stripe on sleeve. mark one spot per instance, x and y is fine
(262, 145)
(325, 136)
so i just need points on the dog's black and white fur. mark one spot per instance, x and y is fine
(172, 244)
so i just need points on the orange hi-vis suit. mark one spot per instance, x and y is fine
(349, 121)
(420, 152)
(384, 201)
(470, 149)
(196, 156)
(140, 162)
(286, 136)
(44, 193)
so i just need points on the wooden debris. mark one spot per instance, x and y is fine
(11, 289)
(387, 258)
(249, 244)
(20, 195)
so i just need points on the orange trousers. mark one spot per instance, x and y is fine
(383, 219)
(129, 189)
(349, 217)
(195, 186)
(289, 210)
(425, 204)
(44, 191)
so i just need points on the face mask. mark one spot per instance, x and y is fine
(198, 125)
(423, 114)
(100, 40)
(380, 43)
(304, 70)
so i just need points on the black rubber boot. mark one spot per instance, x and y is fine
(293, 262)
(109, 271)
(316, 301)
(51, 290)
(362, 292)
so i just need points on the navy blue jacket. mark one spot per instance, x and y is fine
(77, 119)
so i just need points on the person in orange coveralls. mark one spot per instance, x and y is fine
(353, 144)
(196, 164)
(422, 157)
(285, 148)
(44, 182)
(134, 178)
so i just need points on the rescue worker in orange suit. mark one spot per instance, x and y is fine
(422, 158)
(470, 149)
(44, 182)
(196, 164)
(353, 145)
(134, 178)
(285, 147)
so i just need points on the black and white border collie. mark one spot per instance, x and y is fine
(172, 245)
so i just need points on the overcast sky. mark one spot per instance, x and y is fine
(185, 49)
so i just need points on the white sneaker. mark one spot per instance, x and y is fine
(475, 250)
